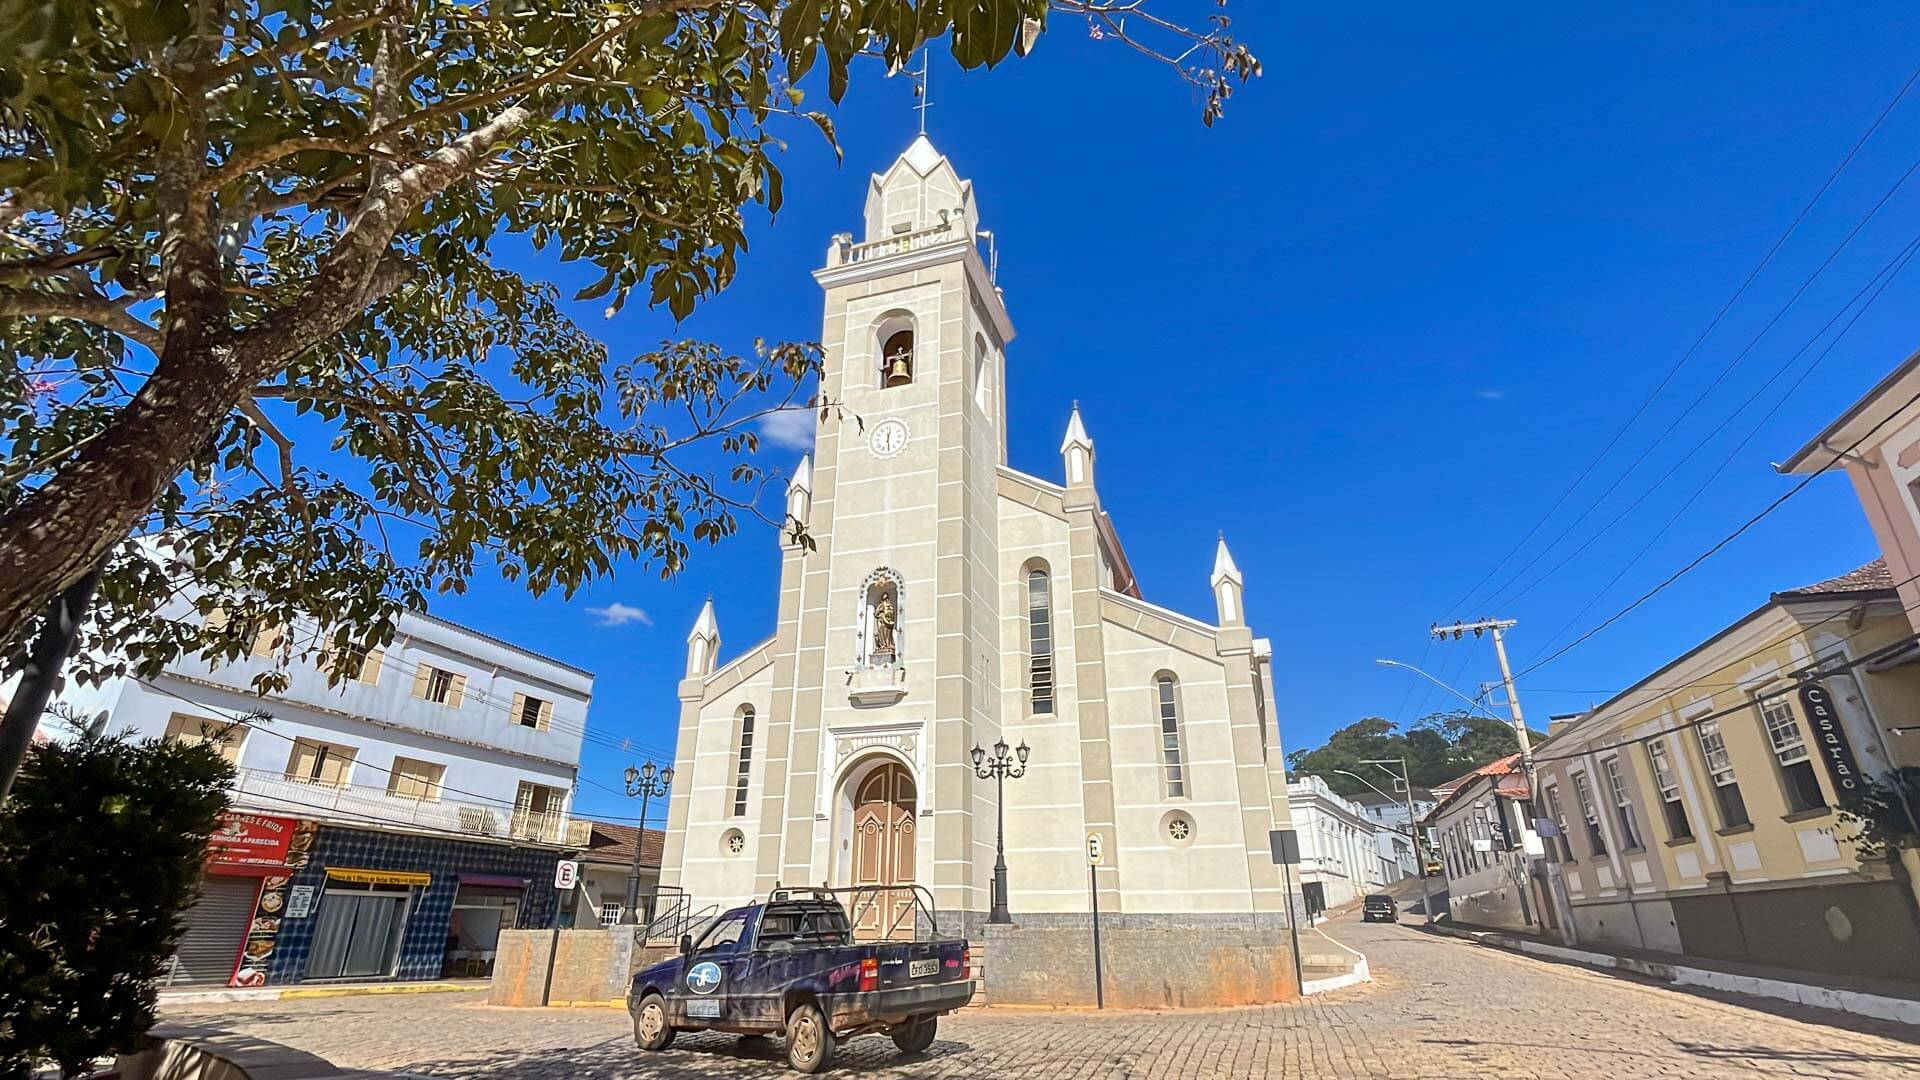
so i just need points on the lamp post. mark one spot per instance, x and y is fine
(998, 768)
(645, 783)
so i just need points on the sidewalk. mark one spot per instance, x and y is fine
(202, 995)
(1881, 999)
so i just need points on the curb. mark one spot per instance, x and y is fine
(1360, 973)
(1853, 1002)
(292, 993)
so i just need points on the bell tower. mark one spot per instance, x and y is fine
(894, 611)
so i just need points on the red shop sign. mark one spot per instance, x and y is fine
(244, 842)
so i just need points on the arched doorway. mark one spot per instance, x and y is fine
(883, 841)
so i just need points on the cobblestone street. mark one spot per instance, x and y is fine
(1439, 1008)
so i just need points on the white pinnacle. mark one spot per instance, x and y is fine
(1076, 432)
(706, 626)
(1223, 566)
(802, 476)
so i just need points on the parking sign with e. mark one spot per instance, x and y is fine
(565, 874)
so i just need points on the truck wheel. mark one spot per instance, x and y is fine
(650, 1027)
(809, 1039)
(915, 1037)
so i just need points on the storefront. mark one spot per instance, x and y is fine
(229, 933)
(377, 905)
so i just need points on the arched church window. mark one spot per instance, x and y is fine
(743, 758)
(1040, 640)
(880, 619)
(896, 359)
(1173, 764)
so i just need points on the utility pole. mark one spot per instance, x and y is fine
(1498, 627)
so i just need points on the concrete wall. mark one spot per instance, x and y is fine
(1149, 961)
(594, 967)
(1864, 928)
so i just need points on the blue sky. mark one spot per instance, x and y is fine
(1371, 326)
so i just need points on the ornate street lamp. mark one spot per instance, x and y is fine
(999, 768)
(645, 783)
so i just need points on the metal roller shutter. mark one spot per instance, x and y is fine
(216, 925)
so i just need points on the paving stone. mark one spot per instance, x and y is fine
(1438, 1009)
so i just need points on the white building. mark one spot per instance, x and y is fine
(947, 600)
(1480, 828)
(1396, 838)
(1341, 855)
(387, 826)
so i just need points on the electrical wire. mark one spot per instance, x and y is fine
(1646, 403)
(1702, 396)
(1722, 543)
(1884, 278)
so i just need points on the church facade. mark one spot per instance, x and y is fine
(949, 601)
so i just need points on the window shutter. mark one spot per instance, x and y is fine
(268, 640)
(216, 620)
(546, 715)
(420, 676)
(519, 710)
(370, 671)
(456, 691)
(300, 762)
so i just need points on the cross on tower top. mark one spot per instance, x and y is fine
(920, 89)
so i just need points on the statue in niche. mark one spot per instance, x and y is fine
(885, 616)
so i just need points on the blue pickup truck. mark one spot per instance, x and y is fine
(790, 966)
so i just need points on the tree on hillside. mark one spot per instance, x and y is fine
(1438, 748)
(225, 221)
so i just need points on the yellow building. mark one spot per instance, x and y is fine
(1701, 809)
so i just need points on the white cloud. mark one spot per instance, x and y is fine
(619, 614)
(1491, 395)
(790, 429)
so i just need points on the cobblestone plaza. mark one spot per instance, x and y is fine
(1438, 1008)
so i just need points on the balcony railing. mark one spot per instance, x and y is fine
(895, 245)
(356, 803)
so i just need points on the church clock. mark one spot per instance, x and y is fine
(888, 438)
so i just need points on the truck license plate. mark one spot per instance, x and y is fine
(704, 1008)
(920, 969)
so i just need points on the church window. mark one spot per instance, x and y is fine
(743, 755)
(733, 842)
(1178, 828)
(1040, 641)
(1166, 690)
(896, 359)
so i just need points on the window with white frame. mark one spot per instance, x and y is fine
(743, 760)
(1167, 696)
(1596, 840)
(1622, 804)
(610, 912)
(1789, 743)
(1560, 819)
(1664, 778)
(1726, 786)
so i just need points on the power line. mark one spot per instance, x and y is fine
(1883, 278)
(1718, 714)
(1702, 396)
(1723, 542)
(1646, 403)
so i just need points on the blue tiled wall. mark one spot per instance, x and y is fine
(424, 944)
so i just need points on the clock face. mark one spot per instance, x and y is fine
(888, 438)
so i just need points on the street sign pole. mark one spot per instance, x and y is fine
(1094, 856)
(566, 874)
(1285, 844)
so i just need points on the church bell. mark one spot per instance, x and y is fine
(899, 369)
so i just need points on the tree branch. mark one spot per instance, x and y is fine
(101, 312)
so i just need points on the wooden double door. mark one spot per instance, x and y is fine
(883, 836)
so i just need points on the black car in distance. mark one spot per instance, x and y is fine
(1379, 907)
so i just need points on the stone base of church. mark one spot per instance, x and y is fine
(1148, 960)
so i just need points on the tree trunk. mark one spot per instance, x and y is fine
(71, 524)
